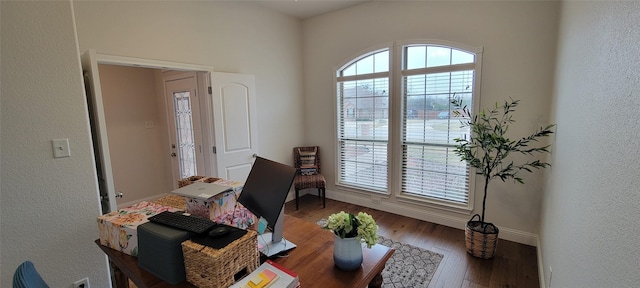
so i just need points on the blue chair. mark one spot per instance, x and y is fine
(26, 276)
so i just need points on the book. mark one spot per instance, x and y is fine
(262, 277)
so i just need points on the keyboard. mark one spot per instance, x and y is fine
(183, 222)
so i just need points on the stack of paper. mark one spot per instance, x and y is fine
(269, 275)
(262, 279)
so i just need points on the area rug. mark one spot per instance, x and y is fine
(409, 266)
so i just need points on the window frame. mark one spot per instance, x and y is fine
(396, 120)
(374, 75)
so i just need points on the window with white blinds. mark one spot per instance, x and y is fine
(429, 76)
(433, 75)
(363, 119)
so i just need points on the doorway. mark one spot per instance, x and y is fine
(153, 140)
(219, 140)
(184, 126)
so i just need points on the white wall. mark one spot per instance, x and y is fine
(519, 40)
(231, 37)
(589, 221)
(49, 206)
(590, 228)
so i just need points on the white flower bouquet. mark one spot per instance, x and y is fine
(346, 225)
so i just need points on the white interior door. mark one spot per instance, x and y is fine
(233, 102)
(99, 131)
(183, 114)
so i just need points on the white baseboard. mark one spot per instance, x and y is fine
(541, 275)
(518, 236)
(429, 215)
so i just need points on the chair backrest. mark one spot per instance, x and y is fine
(26, 276)
(307, 157)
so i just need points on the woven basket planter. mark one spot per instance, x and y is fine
(481, 244)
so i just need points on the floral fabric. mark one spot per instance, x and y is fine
(222, 208)
(118, 229)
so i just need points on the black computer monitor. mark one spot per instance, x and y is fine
(264, 194)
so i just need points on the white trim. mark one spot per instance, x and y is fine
(336, 79)
(362, 76)
(396, 119)
(361, 54)
(439, 69)
(518, 236)
(434, 203)
(149, 63)
(541, 275)
(428, 215)
(444, 43)
(362, 190)
(400, 71)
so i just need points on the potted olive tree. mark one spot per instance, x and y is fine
(487, 150)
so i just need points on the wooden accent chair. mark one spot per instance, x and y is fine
(307, 161)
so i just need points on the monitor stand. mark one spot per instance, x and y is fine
(273, 243)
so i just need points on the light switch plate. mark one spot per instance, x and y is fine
(60, 148)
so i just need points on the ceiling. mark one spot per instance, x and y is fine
(304, 9)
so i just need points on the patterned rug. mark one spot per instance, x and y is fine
(409, 266)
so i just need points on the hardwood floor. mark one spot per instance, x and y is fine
(515, 265)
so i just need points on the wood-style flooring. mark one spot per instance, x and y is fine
(515, 265)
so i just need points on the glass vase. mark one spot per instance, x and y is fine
(347, 253)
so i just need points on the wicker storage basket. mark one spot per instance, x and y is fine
(186, 181)
(479, 244)
(174, 201)
(209, 179)
(207, 267)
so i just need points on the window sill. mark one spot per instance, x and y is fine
(436, 204)
(404, 198)
(360, 190)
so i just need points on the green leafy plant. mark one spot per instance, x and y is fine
(347, 225)
(489, 147)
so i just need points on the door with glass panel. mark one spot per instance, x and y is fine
(183, 119)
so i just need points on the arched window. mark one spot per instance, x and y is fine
(409, 126)
(363, 118)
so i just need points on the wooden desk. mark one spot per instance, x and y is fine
(312, 260)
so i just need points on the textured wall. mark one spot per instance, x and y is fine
(231, 37)
(590, 224)
(49, 206)
(519, 41)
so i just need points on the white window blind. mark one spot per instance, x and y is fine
(428, 77)
(363, 119)
(429, 166)
(434, 75)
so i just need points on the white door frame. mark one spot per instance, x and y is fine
(96, 59)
